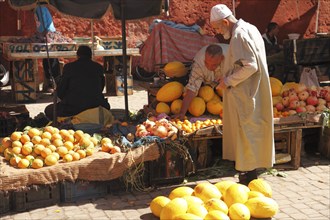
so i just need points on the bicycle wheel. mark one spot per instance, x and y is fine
(4, 76)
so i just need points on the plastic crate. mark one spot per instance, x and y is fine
(4, 202)
(7, 126)
(37, 197)
(75, 191)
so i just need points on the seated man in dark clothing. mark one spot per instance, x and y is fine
(80, 87)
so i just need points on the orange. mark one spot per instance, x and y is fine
(14, 161)
(23, 163)
(33, 132)
(56, 155)
(67, 158)
(76, 156)
(25, 138)
(94, 141)
(37, 163)
(106, 140)
(36, 139)
(57, 142)
(68, 145)
(6, 142)
(64, 133)
(78, 134)
(8, 153)
(47, 135)
(49, 129)
(89, 151)
(38, 148)
(29, 157)
(56, 136)
(16, 135)
(16, 144)
(62, 151)
(27, 149)
(45, 152)
(45, 142)
(84, 142)
(82, 153)
(106, 147)
(16, 150)
(50, 160)
(69, 138)
(52, 147)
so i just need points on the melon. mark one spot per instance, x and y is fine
(198, 210)
(162, 107)
(193, 200)
(276, 86)
(175, 69)
(289, 85)
(239, 211)
(214, 107)
(262, 207)
(169, 92)
(216, 204)
(236, 193)
(175, 207)
(181, 192)
(224, 185)
(215, 214)
(176, 106)
(206, 191)
(253, 194)
(187, 216)
(197, 107)
(206, 93)
(157, 204)
(261, 186)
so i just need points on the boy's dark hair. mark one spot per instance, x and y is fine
(271, 26)
(214, 50)
(84, 51)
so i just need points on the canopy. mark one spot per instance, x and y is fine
(96, 9)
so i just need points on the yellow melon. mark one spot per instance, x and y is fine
(181, 192)
(198, 210)
(176, 106)
(162, 107)
(215, 214)
(276, 99)
(262, 186)
(175, 207)
(224, 185)
(216, 204)
(206, 191)
(193, 200)
(253, 194)
(262, 207)
(157, 204)
(216, 97)
(214, 107)
(175, 69)
(187, 216)
(239, 211)
(197, 106)
(276, 86)
(206, 93)
(236, 193)
(289, 85)
(169, 92)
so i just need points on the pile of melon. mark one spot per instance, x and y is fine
(223, 200)
(294, 98)
(170, 97)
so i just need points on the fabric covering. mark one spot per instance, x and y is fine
(166, 44)
(96, 9)
(100, 166)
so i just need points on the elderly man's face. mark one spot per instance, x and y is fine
(222, 27)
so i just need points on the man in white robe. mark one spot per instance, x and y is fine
(248, 130)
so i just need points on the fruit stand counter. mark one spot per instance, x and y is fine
(23, 58)
(100, 166)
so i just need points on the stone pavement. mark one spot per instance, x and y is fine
(302, 194)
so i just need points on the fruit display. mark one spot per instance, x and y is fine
(39, 147)
(294, 98)
(161, 127)
(223, 200)
(189, 127)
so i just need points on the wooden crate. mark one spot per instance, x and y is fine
(289, 141)
(5, 205)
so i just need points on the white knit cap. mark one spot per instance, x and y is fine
(219, 12)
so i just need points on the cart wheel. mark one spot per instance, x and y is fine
(143, 75)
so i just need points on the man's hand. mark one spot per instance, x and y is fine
(221, 84)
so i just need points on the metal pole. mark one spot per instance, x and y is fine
(123, 29)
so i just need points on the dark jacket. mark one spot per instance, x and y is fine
(81, 87)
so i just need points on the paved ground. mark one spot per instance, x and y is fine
(302, 194)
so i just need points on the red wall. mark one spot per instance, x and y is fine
(292, 17)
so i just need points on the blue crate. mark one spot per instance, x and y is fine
(36, 197)
(5, 205)
(81, 190)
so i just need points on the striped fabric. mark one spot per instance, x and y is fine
(166, 44)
